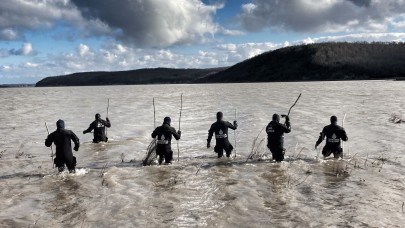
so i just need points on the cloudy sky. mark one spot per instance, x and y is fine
(40, 38)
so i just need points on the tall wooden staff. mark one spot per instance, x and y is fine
(235, 136)
(108, 106)
(181, 108)
(53, 164)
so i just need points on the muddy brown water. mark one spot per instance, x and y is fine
(365, 189)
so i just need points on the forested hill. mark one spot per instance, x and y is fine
(321, 61)
(132, 77)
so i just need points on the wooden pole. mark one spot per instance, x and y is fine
(293, 105)
(108, 106)
(181, 108)
(53, 164)
(235, 136)
(343, 143)
(154, 114)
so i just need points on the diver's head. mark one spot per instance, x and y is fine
(333, 120)
(167, 120)
(276, 117)
(220, 115)
(60, 124)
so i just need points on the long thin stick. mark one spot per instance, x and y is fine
(53, 164)
(154, 114)
(108, 106)
(234, 134)
(293, 105)
(181, 108)
(343, 123)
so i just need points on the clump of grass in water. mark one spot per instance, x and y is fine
(122, 157)
(255, 147)
(396, 118)
(19, 152)
(2, 153)
(256, 152)
(102, 172)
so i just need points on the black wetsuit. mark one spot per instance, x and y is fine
(164, 135)
(99, 130)
(275, 138)
(220, 128)
(64, 155)
(333, 133)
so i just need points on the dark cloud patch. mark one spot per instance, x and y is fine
(365, 3)
(155, 23)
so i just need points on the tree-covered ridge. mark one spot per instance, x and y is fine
(320, 61)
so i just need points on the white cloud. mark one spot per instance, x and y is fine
(29, 64)
(118, 56)
(9, 34)
(359, 37)
(83, 50)
(322, 15)
(19, 16)
(25, 50)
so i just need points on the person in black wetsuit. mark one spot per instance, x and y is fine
(164, 135)
(275, 136)
(334, 134)
(98, 126)
(220, 128)
(61, 137)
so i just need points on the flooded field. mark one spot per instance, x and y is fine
(112, 189)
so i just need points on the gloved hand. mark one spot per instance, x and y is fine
(287, 118)
(235, 123)
(208, 145)
(179, 132)
(76, 148)
(84, 132)
(316, 145)
(108, 120)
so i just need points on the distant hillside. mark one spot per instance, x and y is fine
(322, 61)
(133, 77)
(16, 85)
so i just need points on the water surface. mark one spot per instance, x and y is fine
(364, 189)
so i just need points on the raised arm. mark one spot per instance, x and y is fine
(107, 123)
(287, 125)
(233, 126)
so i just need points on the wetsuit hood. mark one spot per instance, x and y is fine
(219, 115)
(97, 116)
(276, 117)
(60, 124)
(167, 120)
(333, 120)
